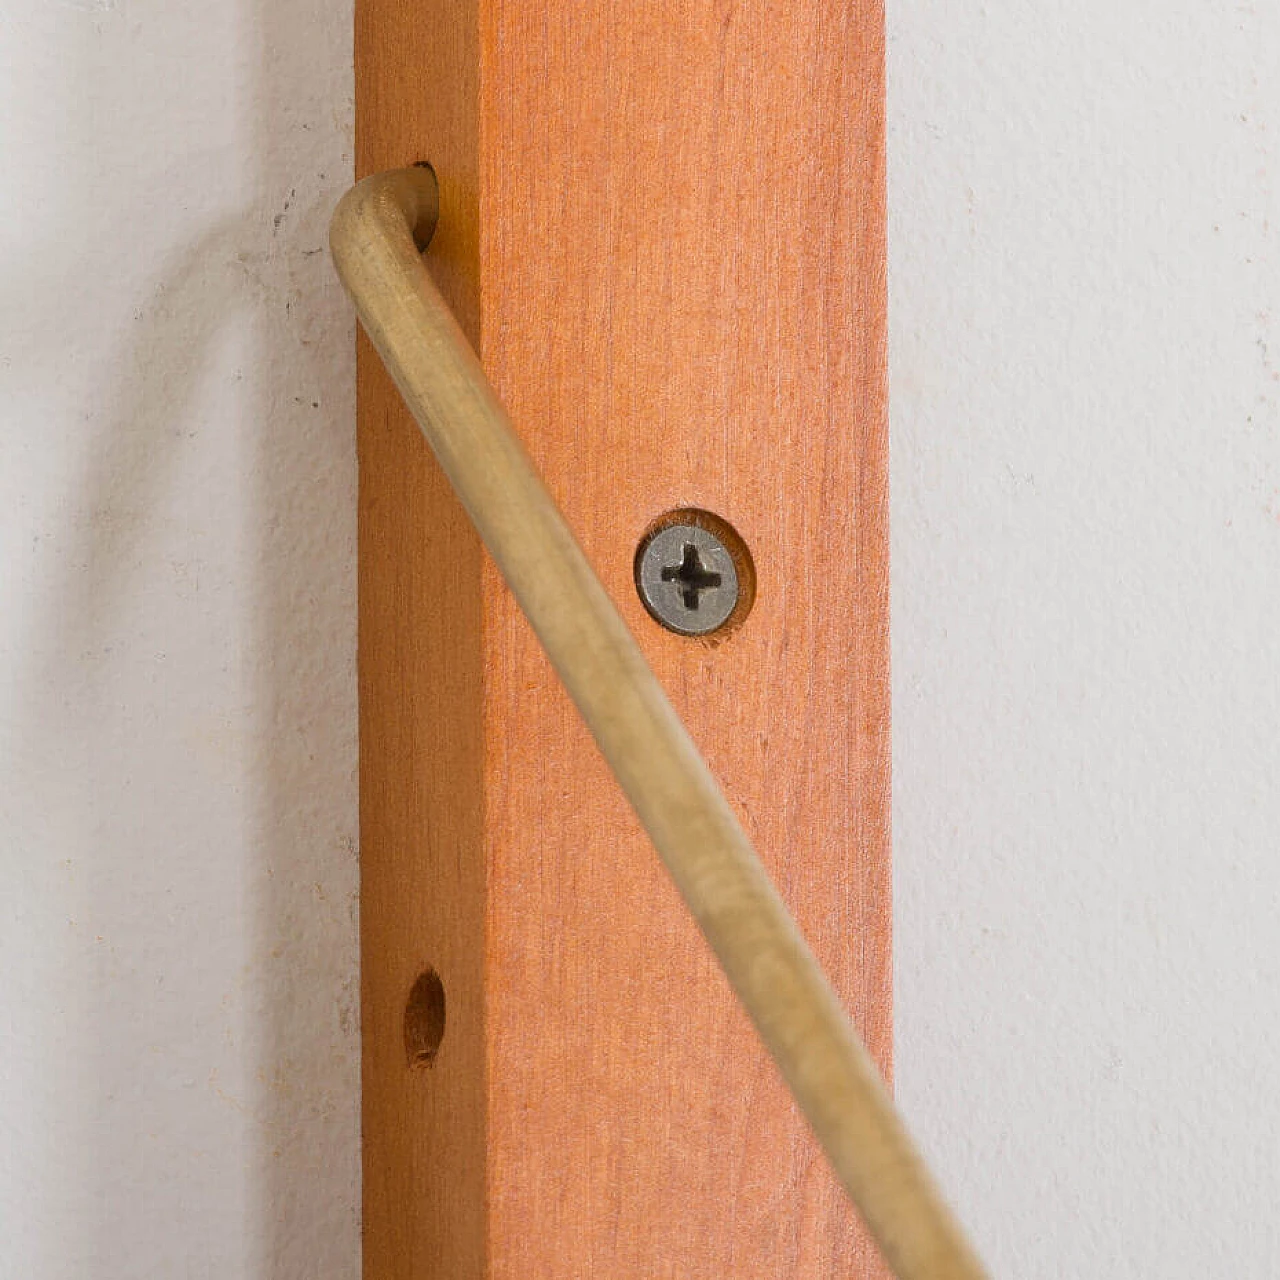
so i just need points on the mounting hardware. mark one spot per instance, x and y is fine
(687, 579)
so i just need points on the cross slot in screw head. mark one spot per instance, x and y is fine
(687, 579)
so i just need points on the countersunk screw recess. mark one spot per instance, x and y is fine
(687, 579)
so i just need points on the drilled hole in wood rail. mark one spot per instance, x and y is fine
(424, 1019)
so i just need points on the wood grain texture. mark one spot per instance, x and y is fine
(376, 236)
(664, 228)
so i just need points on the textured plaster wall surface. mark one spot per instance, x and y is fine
(1085, 294)
(1086, 541)
(178, 1010)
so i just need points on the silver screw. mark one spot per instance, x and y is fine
(687, 579)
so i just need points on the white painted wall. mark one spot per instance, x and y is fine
(178, 1009)
(1085, 284)
(1086, 471)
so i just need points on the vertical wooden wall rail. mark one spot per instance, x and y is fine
(377, 233)
(662, 230)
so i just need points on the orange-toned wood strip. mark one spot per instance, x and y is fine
(421, 675)
(677, 285)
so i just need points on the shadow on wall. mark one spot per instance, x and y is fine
(217, 1040)
(304, 902)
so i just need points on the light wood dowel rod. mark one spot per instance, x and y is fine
(376, 236)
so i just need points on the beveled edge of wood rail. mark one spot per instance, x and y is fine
(376, 237)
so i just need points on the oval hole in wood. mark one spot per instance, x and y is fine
(424, 1019)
